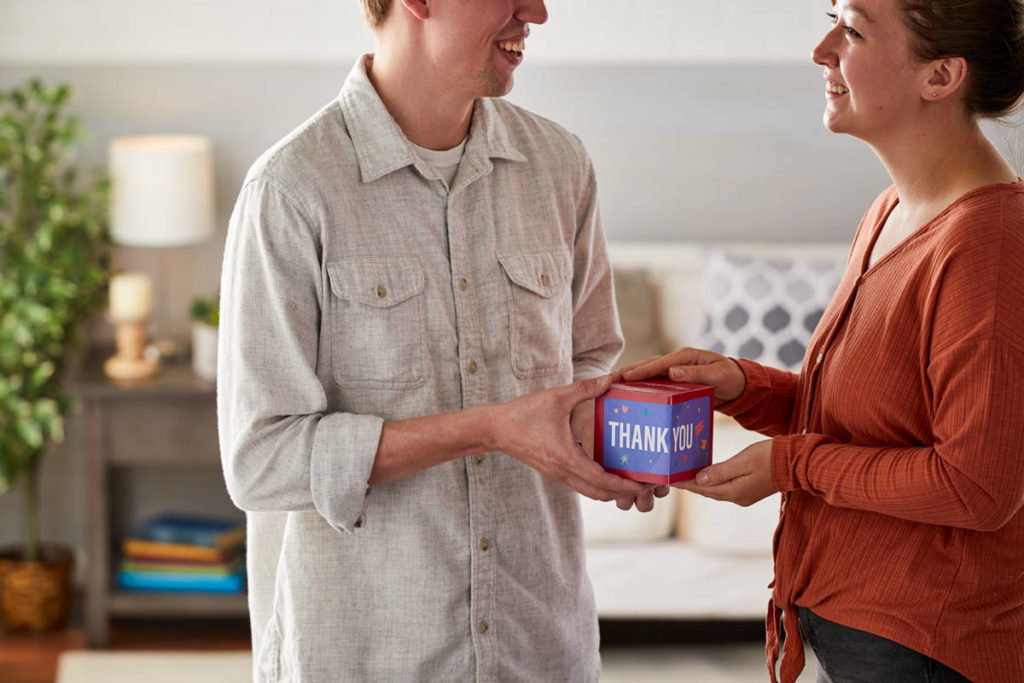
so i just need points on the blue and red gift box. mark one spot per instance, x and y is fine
(654, 431)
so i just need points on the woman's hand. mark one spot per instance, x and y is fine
(695, 366)
(743, 479)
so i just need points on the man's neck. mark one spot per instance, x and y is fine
(420, 101)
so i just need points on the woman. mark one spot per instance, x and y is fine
(898, 448)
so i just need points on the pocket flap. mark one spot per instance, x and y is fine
(542, 273)
(376, 282)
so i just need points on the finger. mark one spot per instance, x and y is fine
(645, 502)
(652, 368)
(715, 374)
(637, 364)
(587, 389)
(596, 476)
(662, 491)
(659, 366)
(625, 503)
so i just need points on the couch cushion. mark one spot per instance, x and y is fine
(636, 300)
(605, 522)
(725, 528)
(764, 309)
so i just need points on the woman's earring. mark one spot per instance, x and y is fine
(935, 94)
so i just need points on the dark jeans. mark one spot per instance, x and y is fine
(847, 655)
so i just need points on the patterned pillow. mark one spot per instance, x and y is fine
(764, 309)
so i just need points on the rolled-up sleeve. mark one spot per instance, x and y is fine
(281, 449)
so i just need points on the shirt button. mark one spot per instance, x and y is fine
(820, 356)
(805, 431)
(479, 459)
(484, 543)
(472, 367)
(463, 284)
(382, 291)
(482, 627)
(544, 279)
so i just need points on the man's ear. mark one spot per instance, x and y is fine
(945, 77)
(418, 8)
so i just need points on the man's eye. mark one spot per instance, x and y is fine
(832, 17)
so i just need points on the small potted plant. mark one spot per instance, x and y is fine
(205, 315)
(53, 275)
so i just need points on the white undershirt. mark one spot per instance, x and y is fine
(445, 162)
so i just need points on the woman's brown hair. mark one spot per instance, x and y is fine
(988, 34)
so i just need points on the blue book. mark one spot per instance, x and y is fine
(210, 532)
(168, 581)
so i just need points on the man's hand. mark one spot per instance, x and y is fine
(695, 366)
(535, 430)
(743, 479)
(645, 501)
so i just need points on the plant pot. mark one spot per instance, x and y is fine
(35, 596)
(204, 351)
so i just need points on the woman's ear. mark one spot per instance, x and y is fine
(945, 77)
(418, 8)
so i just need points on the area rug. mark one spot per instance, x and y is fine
(87, 666)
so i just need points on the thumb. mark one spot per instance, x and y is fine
(590, 388)
(713, 475)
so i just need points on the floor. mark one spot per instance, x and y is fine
(632, 652)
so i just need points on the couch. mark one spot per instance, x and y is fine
(693, 558)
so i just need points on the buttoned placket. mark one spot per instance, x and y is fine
(820, 351)
(479, 470)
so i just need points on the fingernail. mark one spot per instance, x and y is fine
(675, 373)
(703, 478)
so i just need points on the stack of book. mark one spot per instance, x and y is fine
(178, 552)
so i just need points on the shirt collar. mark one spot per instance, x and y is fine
(381, 147)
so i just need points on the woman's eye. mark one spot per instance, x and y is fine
(834, 19)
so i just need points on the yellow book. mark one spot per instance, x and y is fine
(137, 549)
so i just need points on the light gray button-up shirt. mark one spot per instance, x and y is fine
(358, 289)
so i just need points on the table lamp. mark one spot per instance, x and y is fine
(162, 197)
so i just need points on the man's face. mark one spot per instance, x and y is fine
(479, 43)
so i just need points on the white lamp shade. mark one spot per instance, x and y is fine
(162, 190)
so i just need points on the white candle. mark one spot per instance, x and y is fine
(131, 296)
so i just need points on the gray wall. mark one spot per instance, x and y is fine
(682, 151)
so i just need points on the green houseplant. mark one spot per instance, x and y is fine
(205, 315)
(53, 275)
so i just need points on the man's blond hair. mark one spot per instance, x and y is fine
(375, 11)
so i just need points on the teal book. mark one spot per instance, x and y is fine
(180, 581)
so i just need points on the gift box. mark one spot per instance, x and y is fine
(655, 431)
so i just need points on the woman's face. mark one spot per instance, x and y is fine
(873, 84)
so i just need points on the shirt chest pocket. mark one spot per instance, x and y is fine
(378, 321)
(540, 312)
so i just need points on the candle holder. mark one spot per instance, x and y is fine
(129, 364)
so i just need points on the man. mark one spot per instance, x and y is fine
(398, 270)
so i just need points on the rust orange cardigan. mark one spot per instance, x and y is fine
(899, 448)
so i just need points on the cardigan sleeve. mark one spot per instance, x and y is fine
(970, 472)
(766, 404)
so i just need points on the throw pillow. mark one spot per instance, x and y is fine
(764, 309)
(636, 301)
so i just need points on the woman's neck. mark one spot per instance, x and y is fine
(935, 165)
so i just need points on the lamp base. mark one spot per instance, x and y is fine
(130, 370)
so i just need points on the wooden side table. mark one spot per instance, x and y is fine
(169, 421)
